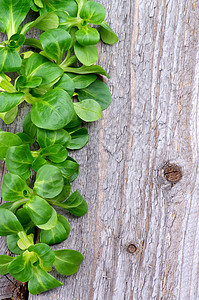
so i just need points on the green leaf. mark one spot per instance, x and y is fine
(107, 35)
(8, 139)
(5, 260)
(57, 234)
(41, 281)
(19, 160)
(55, 42)
(64, 193)
(50, 137)
(26, 139)
(20, 267)
(47, 21)
(67, 84)
(13, 12)
(12, 244)
(39, 66)
(54, 111)
(28, 126)
(88, 110)
(39, 3)
(38, 163)
(87, 36)
(41, 213)
(9, 100)
(67, 168)
(26, 221)
(79, 139)
(87, 70)
(16, 41)
(22, 82)
(97, 91)
(68, 7)
(93, 12)
(9, 116)
(67, 262)
(49, 182)
(10, 60)
(75, 204)
(9, 223)
(45, 254)
(74, 123)
(33, 43)
(23, 216)
(87, 55)
(82, 81)
(13, 188)
(55, 153)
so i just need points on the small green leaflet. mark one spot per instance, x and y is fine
(87, 70)
(57, 234)
(9, 223)
(41, 213)
(88, 110)
(13, 12)
(19, 160)
(14, 187)
(5, 260)
(20, 267)
(67, 262)
(87, 55)
(55, 42)
(10, 60)
(41, 281)
(49, 182)
(79, 139)
(75, 204)
(93, 12)
(9, 101)
(53, 111)
(8, 139)
(97, 91)
(107, 35)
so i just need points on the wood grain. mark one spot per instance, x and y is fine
(152, 120)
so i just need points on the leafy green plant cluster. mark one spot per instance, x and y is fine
(61, 82)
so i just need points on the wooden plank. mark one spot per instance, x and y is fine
(152, 120)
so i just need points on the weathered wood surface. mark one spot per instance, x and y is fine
(152, 120)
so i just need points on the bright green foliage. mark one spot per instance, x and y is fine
(8, 101)
(19, 160)
(88, 110)
(57, 234)
(87, 55)
(107, 35)
(55, 42)
(53, 111)
(13, 12)
(9, 223)
(79, 139)
(49, 182)
(8, 139)
(14, 187)
(41, 213)
(4, 263)
(67, 262)
(97, 91)
(93, 12)
(63, 87)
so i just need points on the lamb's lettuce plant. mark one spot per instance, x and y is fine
(64, 89)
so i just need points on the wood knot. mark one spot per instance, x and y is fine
(172, 173)
(132, 248)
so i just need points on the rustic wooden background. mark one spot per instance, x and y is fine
(152, 120)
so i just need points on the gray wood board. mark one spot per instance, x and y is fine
(152, 120)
